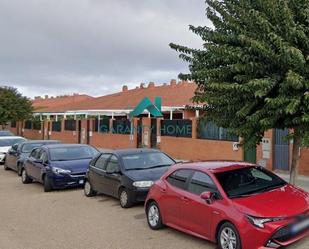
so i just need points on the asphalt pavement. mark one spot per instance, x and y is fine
(32, 219)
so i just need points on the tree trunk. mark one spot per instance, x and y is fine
(295, 158)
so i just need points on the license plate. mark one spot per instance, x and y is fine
(300, 226)
(81, 182)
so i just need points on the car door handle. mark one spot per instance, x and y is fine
(184, 199)
(163, 190)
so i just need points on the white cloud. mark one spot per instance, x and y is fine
(93, 46)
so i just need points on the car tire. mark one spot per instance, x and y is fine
(5, 167)
(47, 184)
(228, 236)
(125, 198)
(154, 217)
(24, 177)
(88, 190)
(19, 167)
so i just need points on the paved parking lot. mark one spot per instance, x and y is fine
(32, 219)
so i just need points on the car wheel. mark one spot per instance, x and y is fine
(5, 167)
(125, 198)
(228, 237)
(24, 177)
(47, 184)
(88, 190)
(154, 218)
(19, 166)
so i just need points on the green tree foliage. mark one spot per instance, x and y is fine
(13, 106)
(253, 69)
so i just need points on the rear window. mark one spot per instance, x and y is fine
(72, 153)
(27, 148)
(10, 142)
(6, 133)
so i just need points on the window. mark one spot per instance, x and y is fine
(35, 153)
(36, 125)
(247, 181)
(28, 124)
(70, 125)
(179, 178)
(13, 124)
(28, 147)
(122, 126)
(146, 160)
(56, 126)
(209, 130)
(67, 153)
(9, 142)
(102, 127)
(176, 128)
(200, 182)
(14, 147)
(112, 165)
(44, 157)
(101, 162)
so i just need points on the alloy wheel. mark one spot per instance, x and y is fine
(24, 176)
(87, 188)
(228, 239)
(123, 198)
(153, 215)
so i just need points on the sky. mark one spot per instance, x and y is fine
(93, 47)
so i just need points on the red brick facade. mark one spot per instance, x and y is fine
(178, 147)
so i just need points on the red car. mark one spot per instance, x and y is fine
(235, 204)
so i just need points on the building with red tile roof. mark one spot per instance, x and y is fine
(175, 97)
(54, 103)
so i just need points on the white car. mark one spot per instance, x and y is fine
(6, 143)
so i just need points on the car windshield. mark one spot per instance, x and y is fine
(6, 133)
(72, 153)
(248, 181)
(9, 142)
(27, 148)
(146, 160)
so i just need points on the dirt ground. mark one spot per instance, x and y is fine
(32, 219)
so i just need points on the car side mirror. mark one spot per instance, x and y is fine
(208, 197)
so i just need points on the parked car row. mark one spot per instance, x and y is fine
(234, 204)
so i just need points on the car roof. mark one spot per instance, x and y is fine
(215, 166)
(124, 152)
(40, 141)
(50, 146)
(11, 137)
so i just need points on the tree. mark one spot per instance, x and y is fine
(253, 70)
(13, 106)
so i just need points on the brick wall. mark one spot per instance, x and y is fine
(33, 134)
(199, 149)
(304, 162)
(65, 136)
(181, 148)
(112, 141)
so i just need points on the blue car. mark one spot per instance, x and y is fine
(58, 166)
(20, 151)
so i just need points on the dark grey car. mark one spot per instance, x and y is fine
(126, 174)
(19, 152)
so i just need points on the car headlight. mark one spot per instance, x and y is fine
(60, 171)
(259, 222)
(143, 184)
